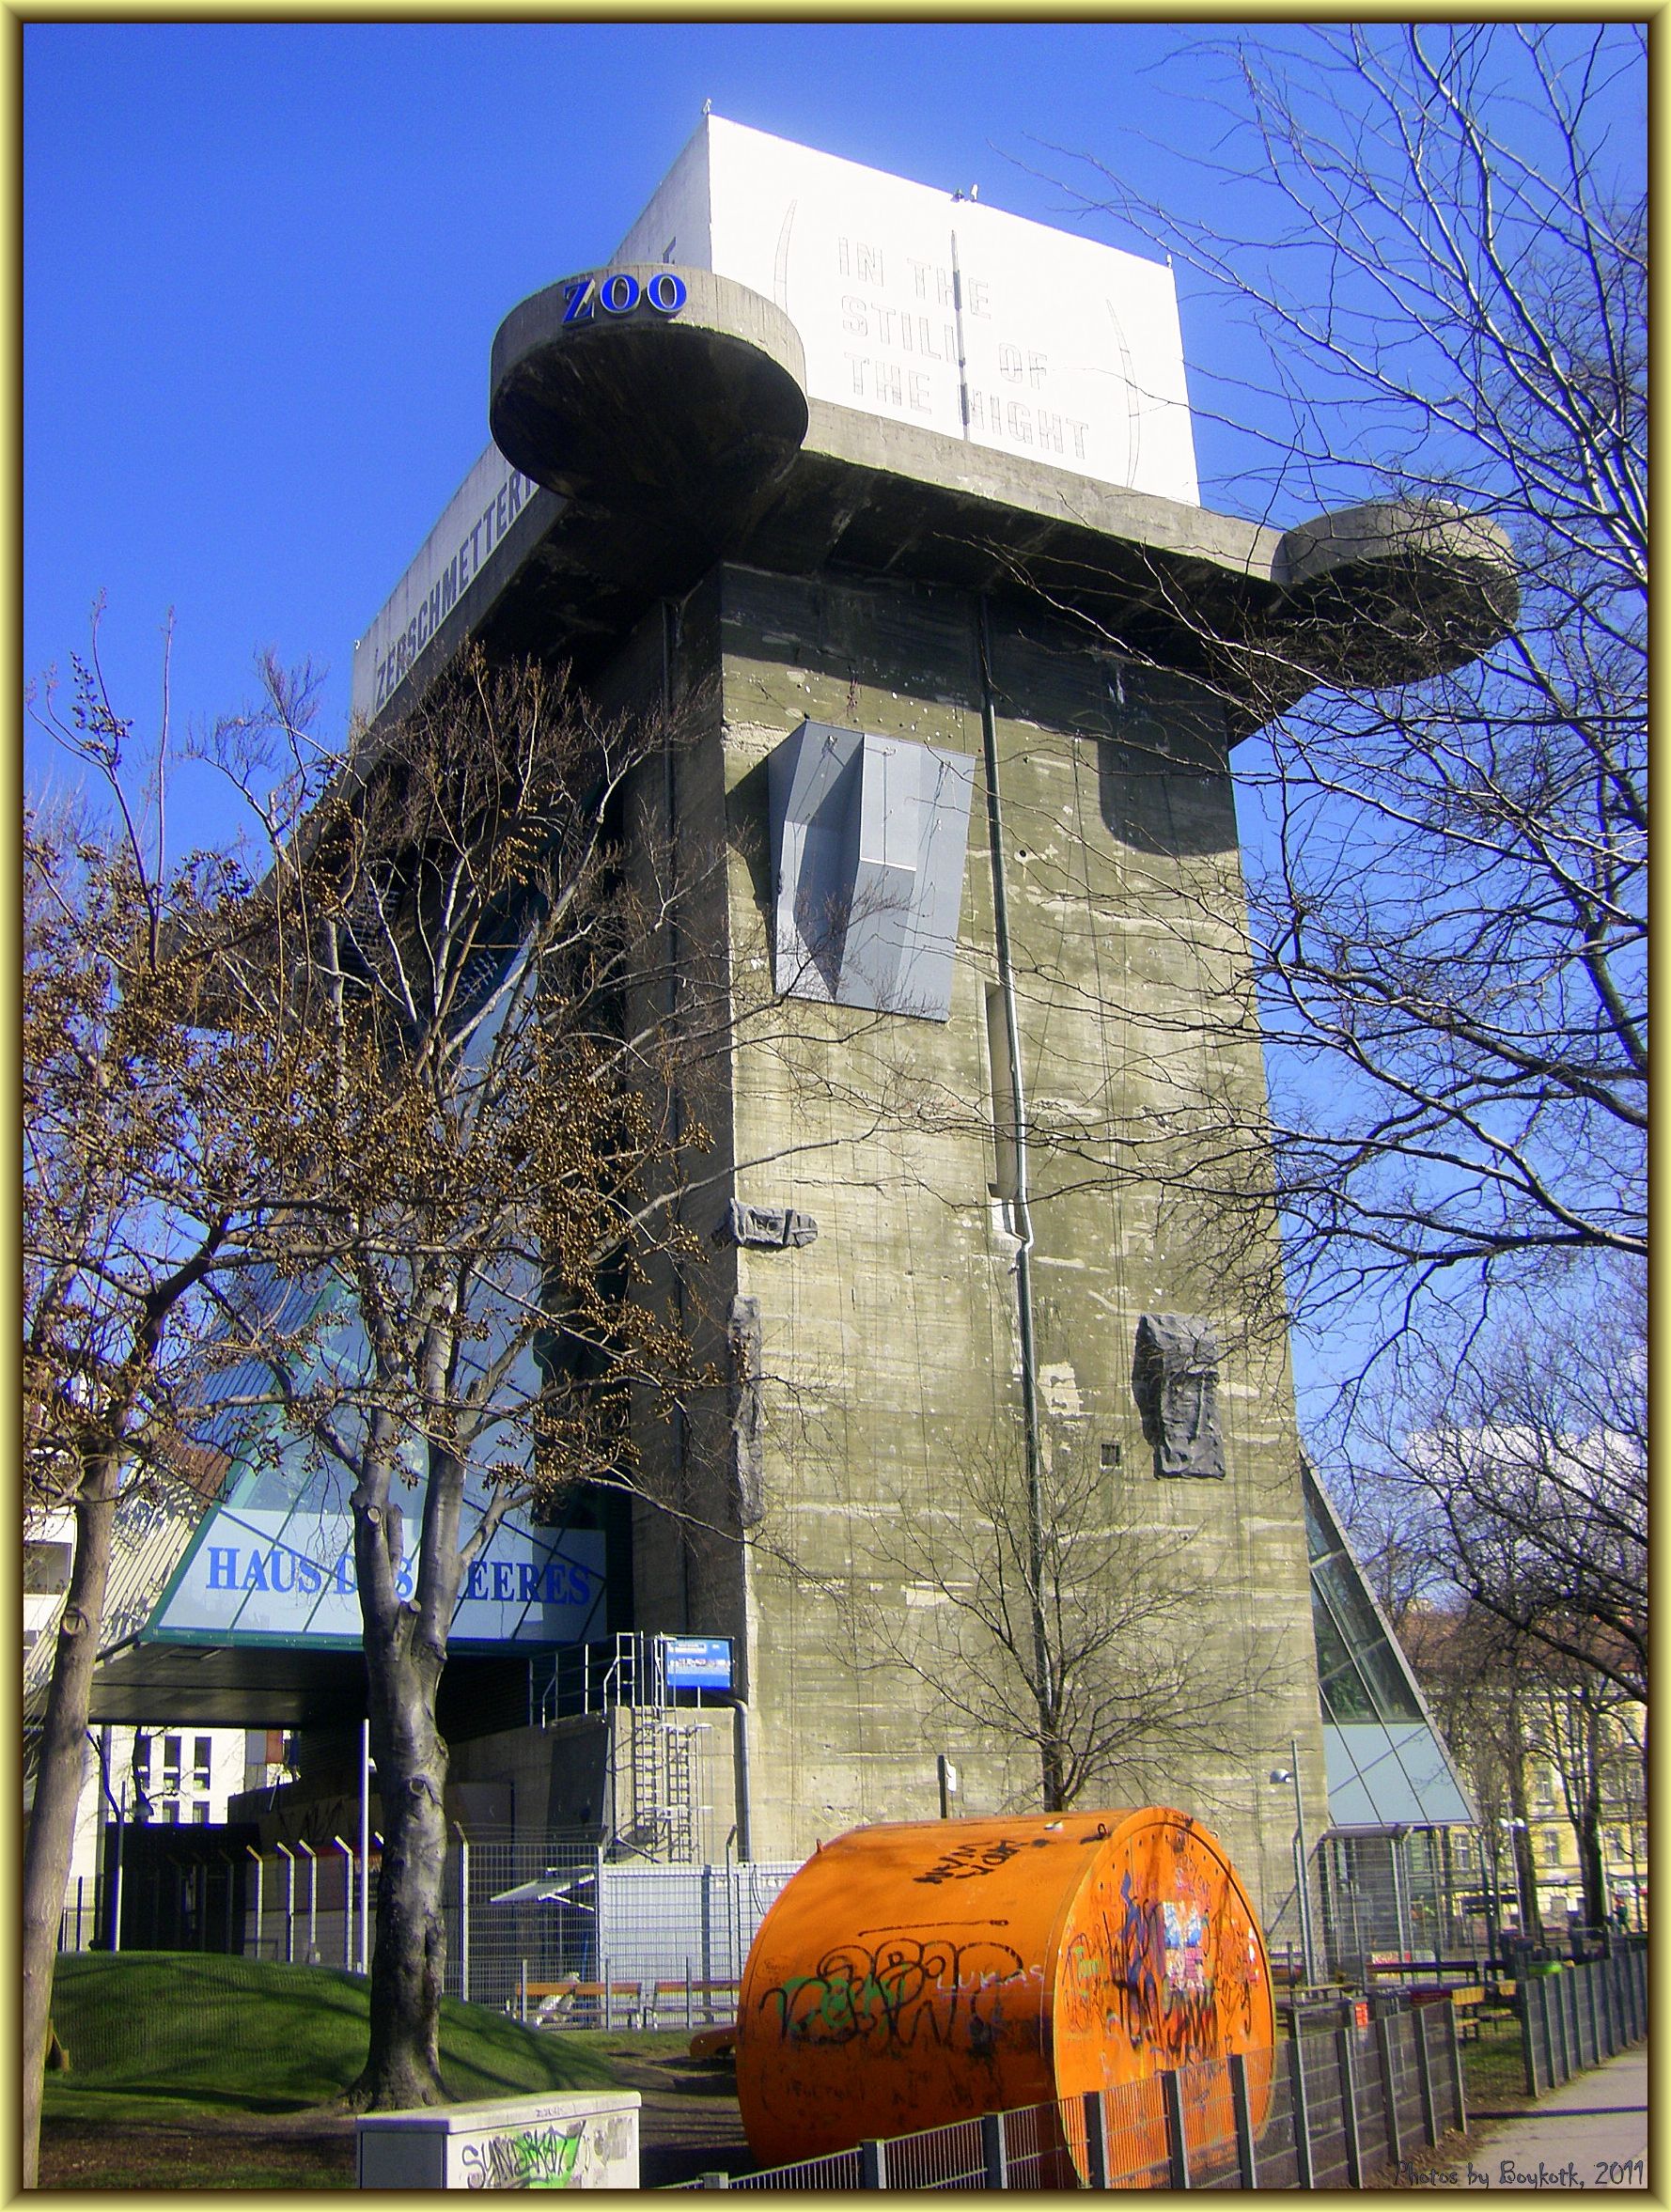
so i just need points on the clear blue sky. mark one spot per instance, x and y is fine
(263, 265)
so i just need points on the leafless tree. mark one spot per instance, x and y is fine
(1475, 1675)
(498, 1104)
(1525, 1485)
(137, 1195)
(1058, 1616)
(1578, 1715)
(1434, 237)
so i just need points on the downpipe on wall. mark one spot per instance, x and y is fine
(1021, 1209)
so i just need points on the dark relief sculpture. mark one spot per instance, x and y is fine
(776, 1228)
(1175, 1382)
(743, 1336)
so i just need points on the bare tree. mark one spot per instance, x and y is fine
(1524, 1483)
(1482, 1691)
(1441, 266)
(484, 1154)
(1579, 1716)
(1053, 1614)
(137, 1194)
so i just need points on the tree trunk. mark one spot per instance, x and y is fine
(403, 2064)
(58, 1779)
(1588, 1824)
(1055, 1760)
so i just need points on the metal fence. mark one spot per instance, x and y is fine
(520, 1913)
(1575, 2015)
(1317, 2112)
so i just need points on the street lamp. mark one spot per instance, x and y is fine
(1302, 1895)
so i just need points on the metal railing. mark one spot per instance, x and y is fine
(1574, 2014)
(1323, 2110)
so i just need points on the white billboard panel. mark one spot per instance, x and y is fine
(931, 308)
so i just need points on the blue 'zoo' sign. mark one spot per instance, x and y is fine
(619, 294)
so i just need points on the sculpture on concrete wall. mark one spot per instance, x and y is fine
(767, 1227)
(742, 1341)
(1175, 1382)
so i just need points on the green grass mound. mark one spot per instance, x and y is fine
(186, 2031)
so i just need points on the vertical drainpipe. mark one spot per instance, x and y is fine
(742, 1786)
(669, 798)
(742, 1783)
(1021, 1208)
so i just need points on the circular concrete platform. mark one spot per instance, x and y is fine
(671, 399)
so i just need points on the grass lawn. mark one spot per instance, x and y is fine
(1493, 2071)
(181, 2064)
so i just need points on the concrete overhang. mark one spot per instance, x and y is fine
(668, 441)
(145, 1682)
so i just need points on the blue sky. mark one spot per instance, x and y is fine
(263, 265)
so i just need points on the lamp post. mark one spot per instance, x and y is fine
(1301, 1893)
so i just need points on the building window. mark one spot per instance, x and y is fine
(202, 1750)
(1552, 1844)
(200, 1814)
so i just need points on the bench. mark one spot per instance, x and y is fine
(585, 2138)
(684, 2003)
(569, 2002)
(574, 2004)
(1466, 2001)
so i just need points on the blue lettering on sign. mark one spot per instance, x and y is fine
(291, 1589)
(618, 293)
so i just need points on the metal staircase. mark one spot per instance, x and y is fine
(655, 1808)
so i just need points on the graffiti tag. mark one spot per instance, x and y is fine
(947, 1993)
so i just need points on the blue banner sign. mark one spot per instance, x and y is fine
(696, 1662)
(288, 1576)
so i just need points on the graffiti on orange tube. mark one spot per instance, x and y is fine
(893, 1994)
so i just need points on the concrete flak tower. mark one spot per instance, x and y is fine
(898, 493)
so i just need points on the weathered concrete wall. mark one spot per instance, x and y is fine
(890, 1353)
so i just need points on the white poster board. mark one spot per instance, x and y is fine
(931, 308)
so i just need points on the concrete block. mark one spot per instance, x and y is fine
(577, 2140)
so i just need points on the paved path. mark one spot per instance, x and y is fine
(1590, 2134)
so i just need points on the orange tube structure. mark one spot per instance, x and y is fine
(922, 1973)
